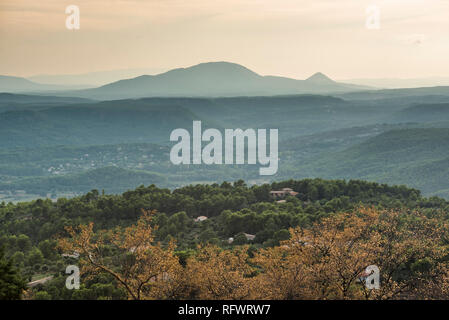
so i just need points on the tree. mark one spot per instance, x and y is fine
(144, 268)
(11, 283)
(47, 248)
(23, 242)
(240, 239)
(214, 273)
(35, 257)
(325, 261)
(42, 295)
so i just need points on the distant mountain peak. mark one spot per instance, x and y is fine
(320, 78)
(218, 64)
(214, 79)
(217, 67)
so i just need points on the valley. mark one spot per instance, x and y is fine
(49, 144)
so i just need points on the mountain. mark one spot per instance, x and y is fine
(92, 79)
(152, 119)
(17, 84)
(396, 93)
(213, 79)
(93, 123)
(417, 157)
(16, 102)
(320, 78)
(392, 83)
(425, 113)
(394, 140)
(10, 101)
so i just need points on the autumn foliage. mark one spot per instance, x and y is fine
(324, 260)
(142, 267)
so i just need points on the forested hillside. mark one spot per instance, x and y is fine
(416, 157)
(87, 124)
(30, 231)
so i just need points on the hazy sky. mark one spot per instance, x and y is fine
(293, 38)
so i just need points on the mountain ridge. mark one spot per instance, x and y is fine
(214, 79)
(12, 84)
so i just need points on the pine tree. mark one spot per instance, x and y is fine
(11, 283)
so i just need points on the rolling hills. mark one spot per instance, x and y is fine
(48, 142)
(110, 179)
(98, 123)
(417, 157)
(13, 84)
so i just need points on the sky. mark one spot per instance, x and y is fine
(293, 38)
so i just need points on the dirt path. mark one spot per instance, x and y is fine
(40, 281)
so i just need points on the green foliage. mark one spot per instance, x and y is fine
(11, 282)
(29, 229)
(42, 295)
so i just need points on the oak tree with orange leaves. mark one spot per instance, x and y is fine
(144, 268)
(326, 260)
(215, 273)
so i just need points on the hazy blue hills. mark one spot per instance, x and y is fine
(397, 146)
(13, 84)
(416, 157)
(9, 101)
(425, 112)
(92, 79)
(214, 79)
(98, 123)
(153, 119)
(111, 179)
(48, 142)
(18, 84)
(394, 83)
(397, 93)
(38, 99)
